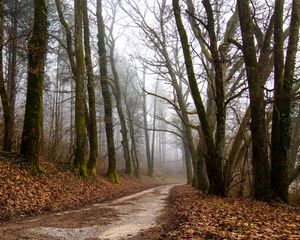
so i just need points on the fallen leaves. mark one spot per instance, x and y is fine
(198, 216)
(23, 194)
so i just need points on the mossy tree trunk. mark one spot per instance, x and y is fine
(213, 167)
(77, 68)
(8, 120)
(261, 168)
(283, 97)
(32, 130)
(80, 154)
(111, 173)
(265, 65)
(92, 124)
(219, 94)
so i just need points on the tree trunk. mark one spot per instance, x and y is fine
(213, 167)
(295, 143)
(31, 136)
(219, 86)
(239, 138)
(261, 168)
(111, 173)
(134, 157)
(145, 122)
(188, 161)
(92, 124)
(80, 153)
(151, 168)
(7, 143)
(283, 77)
(118, 97)
(12, 69)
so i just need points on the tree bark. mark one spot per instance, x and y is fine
(261, 168)
(283, 78)
(188, 161)
(111, 173)
(293, 152)
(80, 153)
(31, 136)
(92, 124)
(219, 86)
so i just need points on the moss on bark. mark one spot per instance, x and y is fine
(32, 130)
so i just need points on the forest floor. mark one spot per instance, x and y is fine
(23, 194)
(193, 215)
(185, 214)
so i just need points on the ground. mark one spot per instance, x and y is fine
(118, 219)
(23, 194)
(193, 215)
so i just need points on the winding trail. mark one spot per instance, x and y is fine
(119, 219)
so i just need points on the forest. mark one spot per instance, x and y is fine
(206, 92)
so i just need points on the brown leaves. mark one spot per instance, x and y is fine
(209, 217)
(22, 194)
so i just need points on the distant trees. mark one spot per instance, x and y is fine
(8, 118)
(111, 40)
(15, 31)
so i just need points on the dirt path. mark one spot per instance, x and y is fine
(118, 219)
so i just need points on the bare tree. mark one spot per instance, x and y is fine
(117, 91)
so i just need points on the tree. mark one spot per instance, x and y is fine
(80, 155)
(7, 142)
(283, 98)
(117, 91)
(77, 68)
(111, 173)
(145, 123)
(261, 168)
(92, 123)
(168, 69)
(214, 165)
(31, 136)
